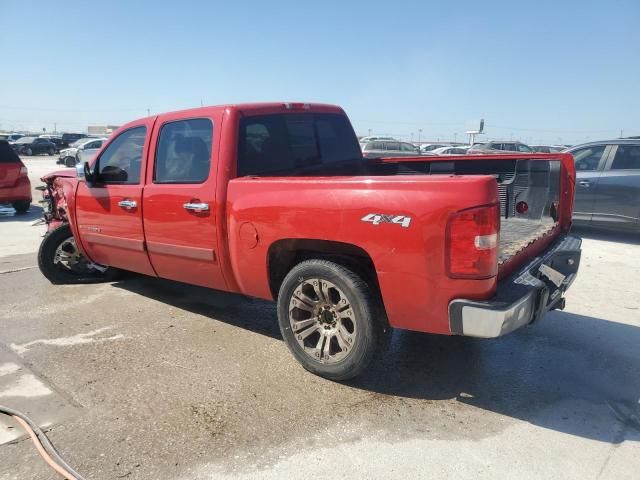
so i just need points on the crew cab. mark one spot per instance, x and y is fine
(276, 201)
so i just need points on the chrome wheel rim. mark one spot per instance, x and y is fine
(69, 257)
(322, 320)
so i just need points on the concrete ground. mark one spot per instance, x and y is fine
(150, 379)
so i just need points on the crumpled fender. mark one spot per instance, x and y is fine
(61, 187)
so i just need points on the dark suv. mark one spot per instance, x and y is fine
(608, 184)
(497, 146)
(34, 146)
(69, 138)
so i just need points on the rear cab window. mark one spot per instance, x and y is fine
(270, 144)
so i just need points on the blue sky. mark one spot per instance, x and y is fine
(550, 71)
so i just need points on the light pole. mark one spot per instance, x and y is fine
(369, 131)
(419, 134)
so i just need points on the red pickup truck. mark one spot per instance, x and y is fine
(276, 201)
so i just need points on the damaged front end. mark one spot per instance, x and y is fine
(58, 186)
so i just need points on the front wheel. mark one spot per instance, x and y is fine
(51, 152)
(70, 162)
(28, 152)
(327, 318)
(60, 260)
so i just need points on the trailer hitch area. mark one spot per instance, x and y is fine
(552, 274)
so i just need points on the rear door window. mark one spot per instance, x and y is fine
(627, 157)
(184, 151)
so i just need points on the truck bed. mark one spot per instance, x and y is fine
(519, 178)
(518, 233)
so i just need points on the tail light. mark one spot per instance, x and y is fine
(472, 242)
(23, 170)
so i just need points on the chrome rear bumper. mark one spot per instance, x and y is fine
(522, 298)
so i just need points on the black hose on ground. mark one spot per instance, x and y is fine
(43, 444)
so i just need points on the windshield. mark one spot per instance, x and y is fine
(288, 142)
(26, 140)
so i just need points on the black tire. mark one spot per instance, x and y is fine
(69, 162)
(362, 304)
(51, 151)
(56, 273)
(21, 206)
(28, 152)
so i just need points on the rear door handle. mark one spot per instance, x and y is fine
(196, 207)
(128, 204)
(584, 183)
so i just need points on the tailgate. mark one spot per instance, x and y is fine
(535, 191)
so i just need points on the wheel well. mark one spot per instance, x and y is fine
(285, 254)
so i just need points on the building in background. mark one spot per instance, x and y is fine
(101, 129)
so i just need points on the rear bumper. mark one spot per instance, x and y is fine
(20, 191)
(524, 297)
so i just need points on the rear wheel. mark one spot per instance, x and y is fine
(61, 261)
(28, 152)
(21, 206)
(327, 316)
(51, 151)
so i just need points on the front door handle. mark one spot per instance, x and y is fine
(128, 204)
(197, 207)
(584, 183)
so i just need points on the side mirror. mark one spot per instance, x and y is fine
(83, 171)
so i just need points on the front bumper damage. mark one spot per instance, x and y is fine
(524, 297)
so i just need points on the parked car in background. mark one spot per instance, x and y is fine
(55, 139)
(379, 149)
(373, 138)
(608, 184)
(429, 147)
(10, 137)
(81, 150)
(548, 148)
(87, 150)
(497, 146)
(460, 150)
(15, 187)
(34, 146)
(69, 138)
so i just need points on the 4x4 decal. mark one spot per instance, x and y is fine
(378, 218)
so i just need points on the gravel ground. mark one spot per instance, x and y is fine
(150, 379)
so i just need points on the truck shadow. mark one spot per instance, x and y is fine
(237, 310)
(570, 373)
